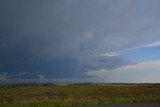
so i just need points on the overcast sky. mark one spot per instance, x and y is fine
(79, 41)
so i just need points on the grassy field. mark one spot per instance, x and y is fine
(72, 95)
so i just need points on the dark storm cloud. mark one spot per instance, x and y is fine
(57, 38)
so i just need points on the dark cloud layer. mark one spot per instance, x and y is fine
(58, 38)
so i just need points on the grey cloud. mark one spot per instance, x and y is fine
(55, 28)
(103, 62)
(52, 32)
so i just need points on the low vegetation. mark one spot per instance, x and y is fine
(71, 95)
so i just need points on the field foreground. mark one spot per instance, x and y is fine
(71, 95)
(129, 105)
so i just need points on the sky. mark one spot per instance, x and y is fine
(102, 41)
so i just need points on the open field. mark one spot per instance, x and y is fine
(71, 95)
(128, 105)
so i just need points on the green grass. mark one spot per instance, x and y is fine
(48, 95)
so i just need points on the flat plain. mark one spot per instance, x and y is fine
(128, 105)
(73, 95)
